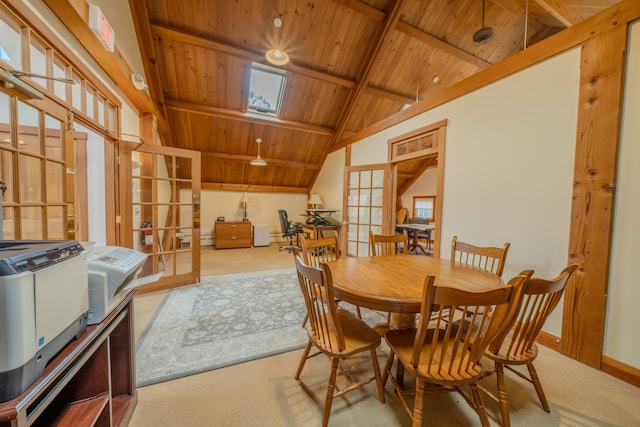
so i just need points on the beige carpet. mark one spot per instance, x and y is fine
(264, 393)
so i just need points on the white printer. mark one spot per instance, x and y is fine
(43, 306)
(112, 271)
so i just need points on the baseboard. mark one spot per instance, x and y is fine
(616, 369)
(548, 340)
(620, 370)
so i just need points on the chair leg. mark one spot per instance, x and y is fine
(358, 312)
(502, 395)
(376, 372)
(387, 369)
(304, 321)
(330, 391)
(477, 399)
(416, 418)
(303, 359)
(538, 385)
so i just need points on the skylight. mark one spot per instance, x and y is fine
(265, 89)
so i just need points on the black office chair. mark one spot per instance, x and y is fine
(289, 231)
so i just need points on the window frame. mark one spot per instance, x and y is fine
(270, 70)
(431, 218)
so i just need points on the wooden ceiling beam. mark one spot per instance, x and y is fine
(270, 161)
(365, 71)
(184, 37)
(398, 97)
(246, 117)
(561, 11)
(516, 9)
(363, 9)
(435, 42)
(250, 187)
(75, 15)
(140, 15)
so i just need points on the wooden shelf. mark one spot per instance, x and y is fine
(84, 413)
(91, 382)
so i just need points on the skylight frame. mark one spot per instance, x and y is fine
(277, 98)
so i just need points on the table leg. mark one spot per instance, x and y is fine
(415, 245)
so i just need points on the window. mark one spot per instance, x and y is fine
(423, 207)
(265, 89)
(10, 43)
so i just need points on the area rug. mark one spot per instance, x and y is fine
(227, 319)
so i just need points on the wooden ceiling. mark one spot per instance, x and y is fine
(353, 63)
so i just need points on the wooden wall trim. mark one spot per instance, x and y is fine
(610, 366)
(620, 370)
(601, 90)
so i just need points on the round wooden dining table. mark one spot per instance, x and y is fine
(394, 283)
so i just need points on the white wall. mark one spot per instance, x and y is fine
(508, 165)
(262, 208)
(622, 340)
(330, 183)
(426, 185)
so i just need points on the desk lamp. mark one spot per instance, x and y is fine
(315, 201)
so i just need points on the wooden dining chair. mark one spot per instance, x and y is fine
(439, 353)
(396, 244)
(488, 258)
(334, 331)
(516, 345)
(318, 251)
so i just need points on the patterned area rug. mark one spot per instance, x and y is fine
(228, 319)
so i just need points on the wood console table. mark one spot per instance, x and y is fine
(90, 383)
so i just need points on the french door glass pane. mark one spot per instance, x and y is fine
(9, 223)
(55, 175)
(378, 178)
(53, 138)
(30, 179)
(31, 223)
(28, 129)
(55, 223)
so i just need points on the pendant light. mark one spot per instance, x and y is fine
(277, 56)
(258, 161)
(484, 33)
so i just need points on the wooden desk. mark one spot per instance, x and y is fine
(394, 283)
(317, 230)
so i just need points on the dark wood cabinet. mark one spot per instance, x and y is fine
(90, 383)
(233, 234)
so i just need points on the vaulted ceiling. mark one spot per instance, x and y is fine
(353, 63)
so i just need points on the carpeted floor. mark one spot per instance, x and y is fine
(263, 392)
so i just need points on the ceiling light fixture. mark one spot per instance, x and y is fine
(277, 56)
(258, 161)
(484, 33)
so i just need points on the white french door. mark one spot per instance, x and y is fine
(367, 205)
